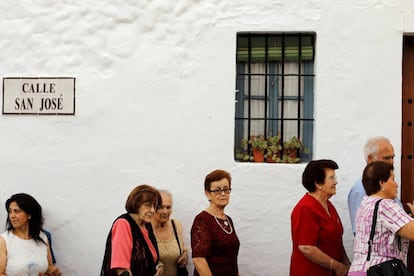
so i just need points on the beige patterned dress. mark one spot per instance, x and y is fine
(169, 251)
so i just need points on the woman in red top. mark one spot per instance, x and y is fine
(316, 227)
(214, 242)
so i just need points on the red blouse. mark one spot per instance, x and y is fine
(311, 225)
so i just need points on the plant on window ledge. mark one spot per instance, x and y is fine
(259, 146)
(291, 150)
(243, 155)
(270, 150)
(274, 149)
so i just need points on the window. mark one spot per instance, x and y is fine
(274, 94)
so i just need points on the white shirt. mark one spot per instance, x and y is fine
(25, 257)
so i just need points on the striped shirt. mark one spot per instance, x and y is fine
(391, 218)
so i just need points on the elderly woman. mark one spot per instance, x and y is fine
(169, 236)
(214, 242)
(316, 227)
(392, 221)
(24, 247)
(131, 248)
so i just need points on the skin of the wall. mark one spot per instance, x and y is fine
(155, 84)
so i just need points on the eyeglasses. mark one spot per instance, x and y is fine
(332, 178)
(219, 191)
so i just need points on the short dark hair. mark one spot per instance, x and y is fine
(373, 174)
(31, 207)
(216, 175)
(315, 172)
(142, 194)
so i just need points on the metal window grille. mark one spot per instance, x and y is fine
(274, 90)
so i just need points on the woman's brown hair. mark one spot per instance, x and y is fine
(216, 175)
(142, 194)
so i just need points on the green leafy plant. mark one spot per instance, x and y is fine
(258, 142)
(243, 154)
(259, 145)
(274, 148)
(291, 150)
(271, 149)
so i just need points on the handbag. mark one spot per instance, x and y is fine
(394, 267)
(182, 271)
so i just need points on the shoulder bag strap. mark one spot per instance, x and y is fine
(176, 236)
(371, 236)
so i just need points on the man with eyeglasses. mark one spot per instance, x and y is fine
(376, 149)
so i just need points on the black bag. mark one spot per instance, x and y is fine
(394, 267)
(182, 271)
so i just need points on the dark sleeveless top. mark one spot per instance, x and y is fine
(142, 262)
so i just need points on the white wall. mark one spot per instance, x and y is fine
(155, 85)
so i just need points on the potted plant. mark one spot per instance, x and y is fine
(243, 154)
(291, 149)
(274, 149)
(259, 146)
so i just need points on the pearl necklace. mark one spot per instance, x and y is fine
(226, 223)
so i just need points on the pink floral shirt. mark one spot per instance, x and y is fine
(391, 218)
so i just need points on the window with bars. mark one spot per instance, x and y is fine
(274, 97)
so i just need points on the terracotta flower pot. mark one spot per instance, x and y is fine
(258, 155)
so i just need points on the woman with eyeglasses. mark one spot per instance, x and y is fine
(394, 227)
(131, 247)
(316, 227)
(214, 243)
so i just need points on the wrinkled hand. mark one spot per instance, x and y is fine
(341, 269)
(160, 271)
(183, 260)
(411, 206)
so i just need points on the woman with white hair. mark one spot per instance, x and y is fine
(169, 235)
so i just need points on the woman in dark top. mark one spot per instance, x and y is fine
(131, 248)
(214, 242)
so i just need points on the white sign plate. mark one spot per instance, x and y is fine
(41, 96)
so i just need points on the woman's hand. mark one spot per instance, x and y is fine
(182, 260)
(341, 269)
(53, 271)
(411, 206)
(159, 269)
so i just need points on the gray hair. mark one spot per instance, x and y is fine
(165, 192)
(371, 146)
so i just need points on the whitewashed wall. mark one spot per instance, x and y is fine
(155, 85)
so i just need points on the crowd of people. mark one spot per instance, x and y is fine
(143, 241)
(146, 241)
(317, 229)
